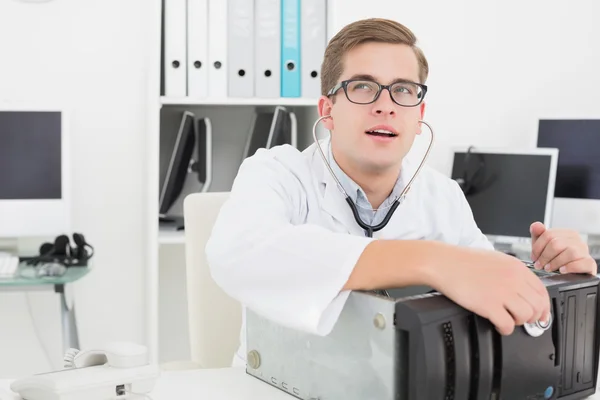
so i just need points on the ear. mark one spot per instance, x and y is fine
(325, 108)
(422, 113)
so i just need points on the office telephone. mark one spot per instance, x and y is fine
(118, 370)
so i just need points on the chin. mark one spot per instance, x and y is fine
(380, 165)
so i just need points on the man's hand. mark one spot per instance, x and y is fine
(493, 285)
(560, 249)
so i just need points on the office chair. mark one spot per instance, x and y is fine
(214, 318)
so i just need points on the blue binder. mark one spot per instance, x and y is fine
(290, 48)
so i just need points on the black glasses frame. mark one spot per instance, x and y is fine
(344, 85)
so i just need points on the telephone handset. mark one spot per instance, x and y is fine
(113, 371)
(117, 354)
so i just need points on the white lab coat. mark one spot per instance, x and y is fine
(285, 242)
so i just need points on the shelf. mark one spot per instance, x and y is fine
(170, 236)
(251, 101)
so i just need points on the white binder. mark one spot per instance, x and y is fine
(267, 45)
(313, 41)
(240, 72)
(217, 48)
(175, 48)
(197, 48)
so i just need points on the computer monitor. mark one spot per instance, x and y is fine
(192, 153)
(577, 192)
(507, 190)
(284, 129)
(179, 163)
(34, 164)
(269, 129)
(202, 160)
(260, 131)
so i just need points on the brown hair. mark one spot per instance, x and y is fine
(366, 30)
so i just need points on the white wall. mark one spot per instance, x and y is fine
(90, 57)
(497, 67)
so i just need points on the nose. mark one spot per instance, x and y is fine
(384, 104)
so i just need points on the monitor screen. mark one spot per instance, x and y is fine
(578, 143)
(30, 155)
(259, 134)
(201, 167)
(34, 173)
(203, 154)
(179, 161)
(507, 191)
(282, 128)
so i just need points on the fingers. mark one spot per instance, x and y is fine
(552, 252)
(546, 249)
(520, 309)
(539, 299)
(536, 229)
(566, 256)
(503, 321)
(586, 265)
(526, 306)
(539, 304)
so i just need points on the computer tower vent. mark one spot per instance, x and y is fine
(450, 360)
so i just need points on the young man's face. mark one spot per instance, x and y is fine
(352, 145)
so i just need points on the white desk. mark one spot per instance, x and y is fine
(213, 384)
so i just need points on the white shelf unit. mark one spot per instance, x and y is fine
(231, 125)
(252, 101)
(231, 117)
(170, 236)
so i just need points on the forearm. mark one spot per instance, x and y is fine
(400, 263)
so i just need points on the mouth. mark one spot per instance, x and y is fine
(382, 131)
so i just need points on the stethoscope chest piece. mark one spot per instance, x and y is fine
(537, 328)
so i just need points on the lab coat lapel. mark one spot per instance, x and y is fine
(333, 201)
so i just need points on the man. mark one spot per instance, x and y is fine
(287, 245)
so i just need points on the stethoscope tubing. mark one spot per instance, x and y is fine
(369, 229)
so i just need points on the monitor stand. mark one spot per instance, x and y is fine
(171, 223)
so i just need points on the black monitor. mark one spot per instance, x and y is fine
(270, 129)
(577, 193)
(30, 155)
(507, 190)
(260, 132)
(578, 141)
(284, 128)
(202, 159)
(192, 152)
(179, 163)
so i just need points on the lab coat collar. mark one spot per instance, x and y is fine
(334, 202)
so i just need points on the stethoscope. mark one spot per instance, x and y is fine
(369, 229)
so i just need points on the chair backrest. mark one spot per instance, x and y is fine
(214, 318)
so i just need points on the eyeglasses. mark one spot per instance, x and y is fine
(404, 93)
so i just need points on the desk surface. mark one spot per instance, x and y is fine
(213, 384)
(25, 276)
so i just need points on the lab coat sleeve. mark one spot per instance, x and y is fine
(263, 254)
(470, 234)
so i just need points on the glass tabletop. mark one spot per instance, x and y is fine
(26, 276)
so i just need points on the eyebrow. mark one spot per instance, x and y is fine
(368, 77)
